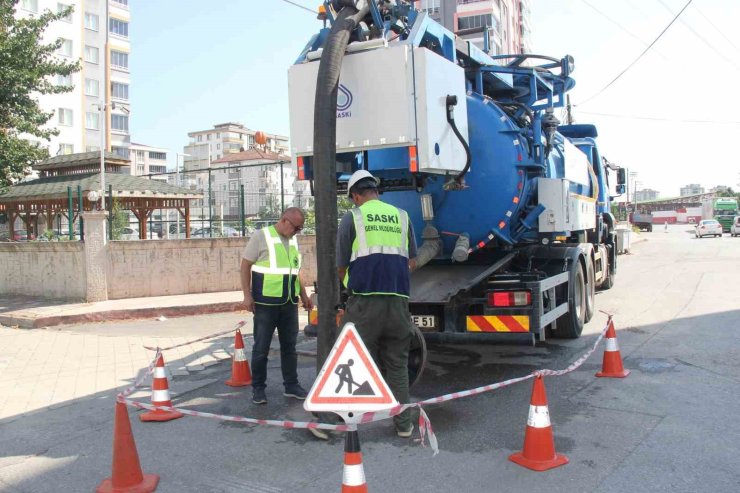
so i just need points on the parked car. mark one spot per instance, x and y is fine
(129, 233)
(735, 228)
(708, 227)
(217, 233)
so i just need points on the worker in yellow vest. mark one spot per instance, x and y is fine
(270, 277)
(375, 251)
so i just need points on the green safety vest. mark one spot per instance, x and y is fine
(275, 280)
(379, 264)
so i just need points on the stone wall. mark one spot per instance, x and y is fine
(169, 267)
(132, 269)
(45, 270)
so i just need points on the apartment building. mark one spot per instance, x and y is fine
(97, 33)
(692, 189)
(146, 160)
(259, 171)
(206, 146)
(501, 26)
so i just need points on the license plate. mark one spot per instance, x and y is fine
(424, 321)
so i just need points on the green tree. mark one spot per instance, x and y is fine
(28, 68)
(120, 219)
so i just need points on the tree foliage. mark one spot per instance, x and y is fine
(28, 68)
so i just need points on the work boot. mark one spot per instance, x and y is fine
(295, 391)
(259, 397)
(319, 433)
(405, 433)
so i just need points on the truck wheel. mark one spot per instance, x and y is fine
(570, 325)
(417, 356)
(590, 290)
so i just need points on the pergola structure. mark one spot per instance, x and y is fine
(64, 185)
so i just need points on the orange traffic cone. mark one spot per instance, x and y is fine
(127, 476)
(612, 365)
(240, 374)
(353, 477)
(160, 396)
(538, 453)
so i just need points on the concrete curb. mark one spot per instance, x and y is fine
(35, 322)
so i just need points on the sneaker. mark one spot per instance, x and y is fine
(259, 397)
(295, 391)
(405, 433)
(318, 433)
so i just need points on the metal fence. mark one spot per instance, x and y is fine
(236, 199)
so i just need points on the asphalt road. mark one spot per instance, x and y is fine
(670, 426)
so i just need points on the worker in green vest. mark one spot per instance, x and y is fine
(375, 251)
(270, 277)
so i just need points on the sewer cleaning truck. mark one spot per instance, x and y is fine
(511, 208)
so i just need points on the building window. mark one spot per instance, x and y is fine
(430, 6)
(121, 2)
(92, 121)
(92, 149)
(66, 48)
(119, 123)
(218, 135)
(65, 117)
(92, 54)
(158, 155)
(200, 138)
(119, 90)
(61, 7)
(66, 148)
(119, 27)
(120, 151)
(119, 59)
(92, 21)
(218, 146)
(474, 21)
(208, 137)
(30, 5)
(92, 87)
(64, 80)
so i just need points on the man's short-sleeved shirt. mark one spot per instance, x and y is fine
(256, 249)
(346, 235)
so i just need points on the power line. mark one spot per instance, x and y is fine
(716, 28)
(702, 38)
(640, 56)
(620, 26)
(299, 6)
(658, 119)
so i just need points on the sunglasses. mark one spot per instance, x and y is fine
(297, 229)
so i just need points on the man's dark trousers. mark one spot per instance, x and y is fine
(384, 323)
(266, 319)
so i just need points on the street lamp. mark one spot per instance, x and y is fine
(102, 105)
(178, 183)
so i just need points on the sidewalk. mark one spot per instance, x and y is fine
(29, 313)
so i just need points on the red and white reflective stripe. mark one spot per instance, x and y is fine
(240, 355)
(611, 344)
(539, 417)
(160, 396)
(159, 372)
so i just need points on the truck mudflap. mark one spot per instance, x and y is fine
(439, 283)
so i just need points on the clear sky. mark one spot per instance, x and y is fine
(196, 63)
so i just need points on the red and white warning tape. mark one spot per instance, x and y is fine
(425, 425)
(239, 325)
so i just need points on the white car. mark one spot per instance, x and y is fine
(735, 228)
(708, 227)
(129, 233)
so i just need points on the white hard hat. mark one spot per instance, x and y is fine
(358, 176)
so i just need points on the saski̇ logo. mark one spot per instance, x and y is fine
(344, 102)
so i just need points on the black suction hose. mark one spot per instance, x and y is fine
(451, 103)
(324, 168)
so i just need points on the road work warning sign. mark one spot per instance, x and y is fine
(349, 380)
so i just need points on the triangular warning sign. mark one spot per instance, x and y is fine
(349, 380)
